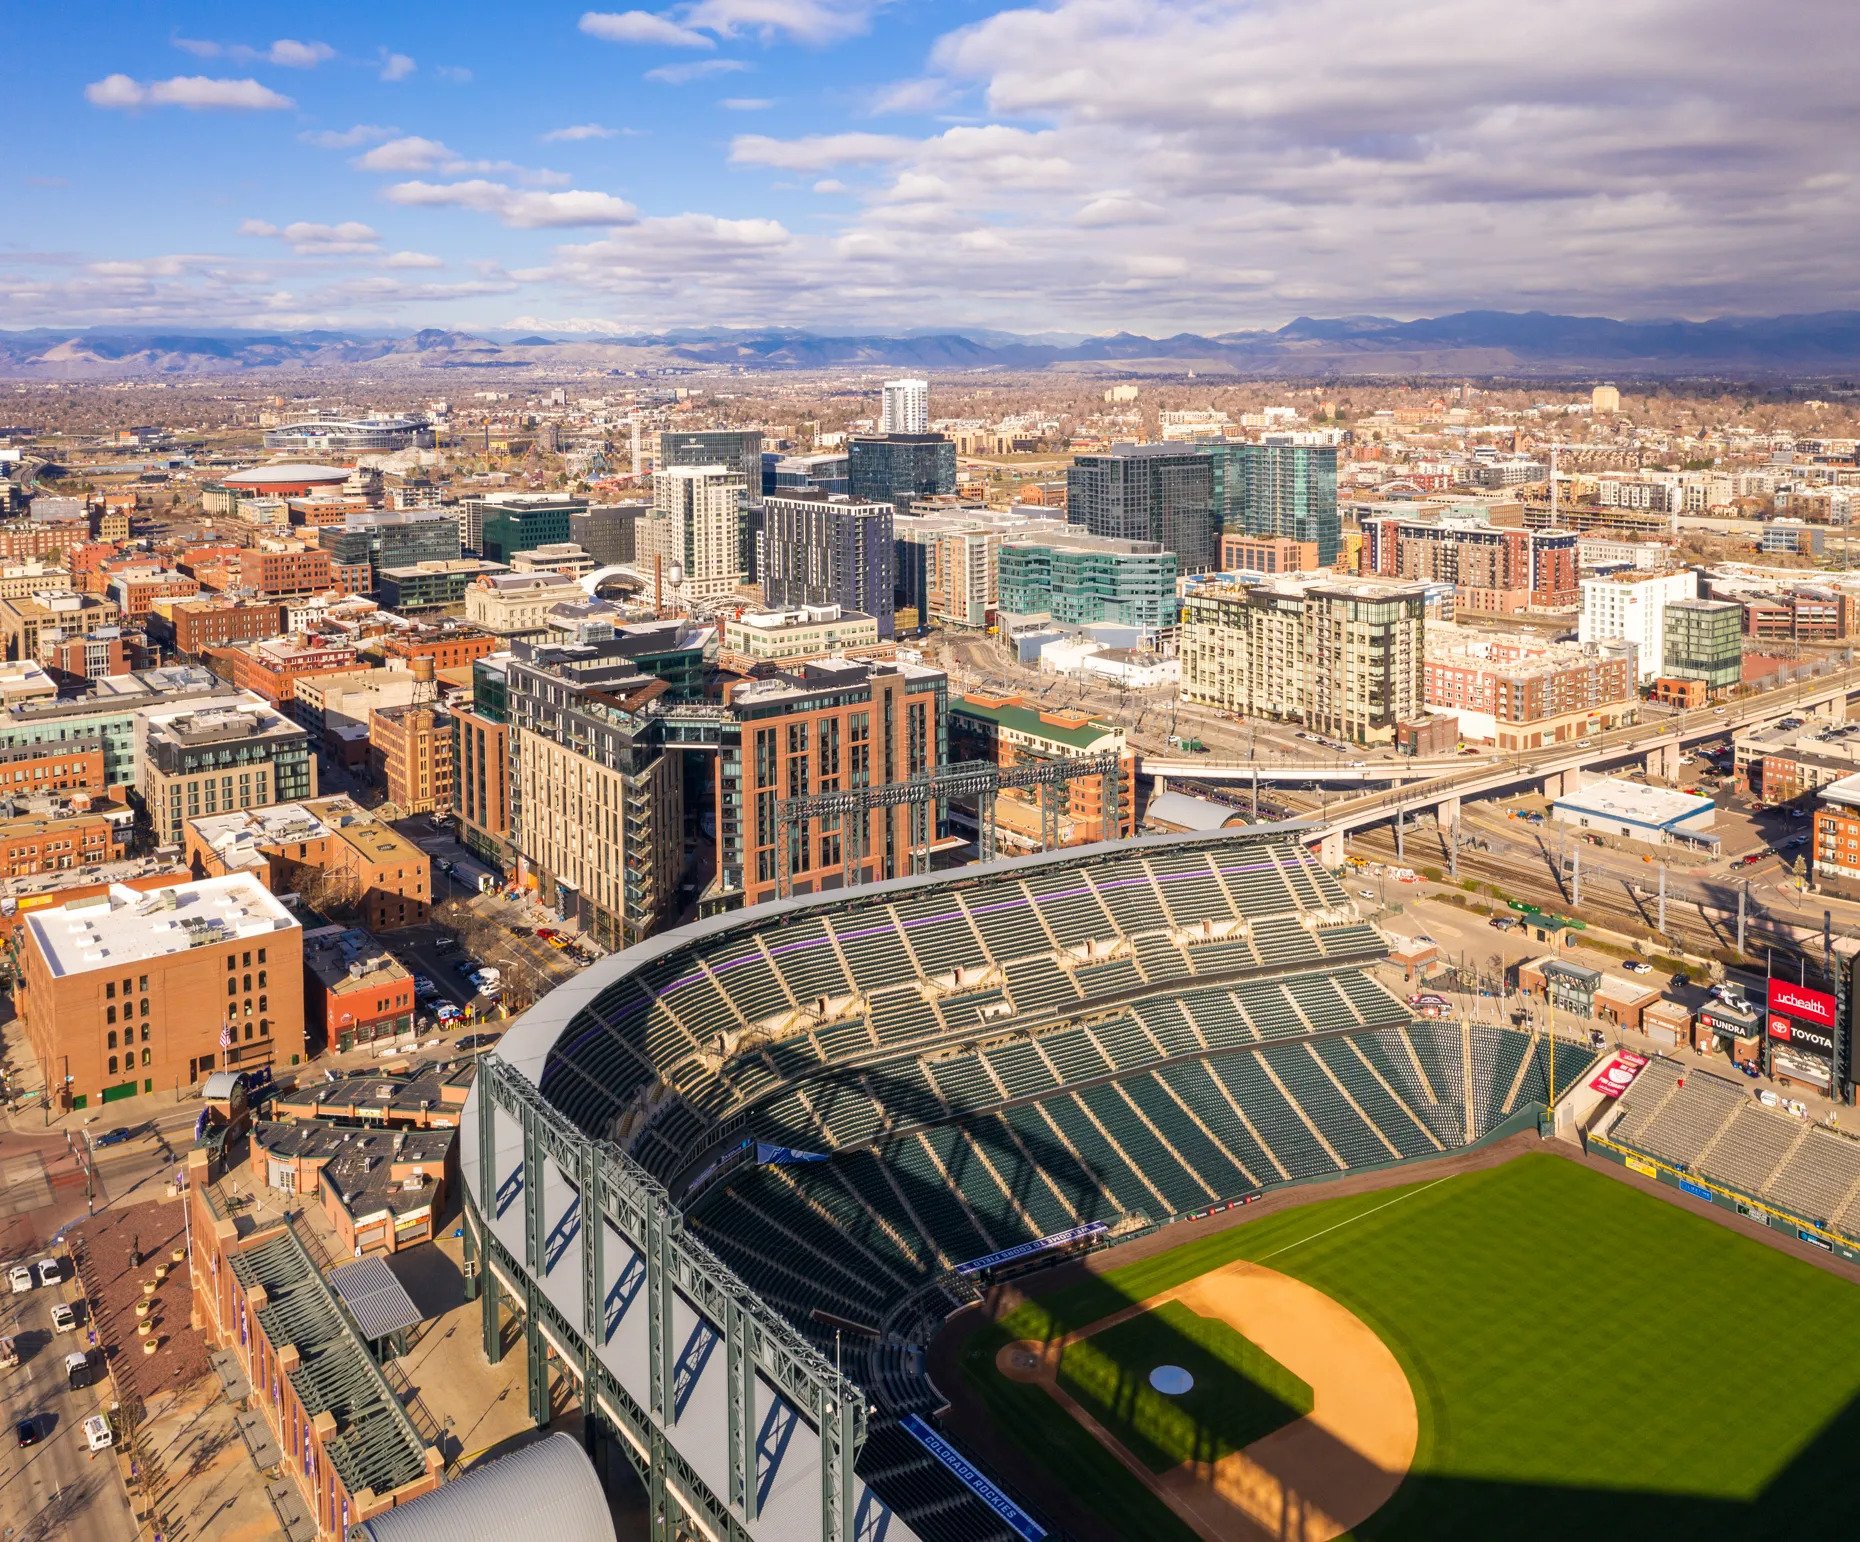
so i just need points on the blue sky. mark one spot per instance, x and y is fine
(1155, 165)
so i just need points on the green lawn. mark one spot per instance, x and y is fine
(1240, 1391)
(1582, 1355)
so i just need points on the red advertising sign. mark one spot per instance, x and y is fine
(1618, 1075)
(1799, 1001)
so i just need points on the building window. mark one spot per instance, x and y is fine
(109, 1016)
(113, 1065)
(232, 987)
(146, 1056)
(110, 1043)
(145, 1033)
(109, 990)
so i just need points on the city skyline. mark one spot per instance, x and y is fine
(1089, 166)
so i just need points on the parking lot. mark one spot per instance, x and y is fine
(56, 1486)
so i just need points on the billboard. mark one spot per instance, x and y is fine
(1618, 1075)
(1803, 1003)
(1803, 1038)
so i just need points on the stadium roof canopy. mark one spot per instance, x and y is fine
(287, 472)
(548, 1489)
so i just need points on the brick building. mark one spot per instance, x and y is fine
(128, 992)
(76, 766)
(380, 1190)
(413, 748)
(1520, 693)
(482, 769)
(191, 627)
(1005, 730)
(356, 990)
(1267, 554)
(55, 842)
(271, 667)
(1493, 568)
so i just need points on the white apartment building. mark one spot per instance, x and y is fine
(695, 525)
(1631, 607)
(904, 407)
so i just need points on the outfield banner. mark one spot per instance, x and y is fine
(1697, 1191)
(784, 1156)
(1798, 1036)
(1057, 1239)
(1800, 1001)
(1645, 1169)
(1010, 1514)
(1618, 1075)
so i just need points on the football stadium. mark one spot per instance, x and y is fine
(1113, 1193)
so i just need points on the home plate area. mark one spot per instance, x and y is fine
(1252, 1404)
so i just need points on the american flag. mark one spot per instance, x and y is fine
(226, 1036)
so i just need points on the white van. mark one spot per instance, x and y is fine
(97, 1433)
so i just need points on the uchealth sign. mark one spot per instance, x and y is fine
(1802, 1003)
(1802, 1038)
(1618, 1075)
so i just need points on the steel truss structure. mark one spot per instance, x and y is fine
(610, 1186)
(981, 780)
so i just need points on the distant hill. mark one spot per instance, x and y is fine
(1521, 344)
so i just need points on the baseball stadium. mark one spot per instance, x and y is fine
(1116, 1193)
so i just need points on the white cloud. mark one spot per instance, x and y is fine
(410, 153)
(829, 185)
(194, 92)
(1118, 209)
(349, 238)
(396, 66)
(576, 132)
(347, 139)
(818, 152)
(515, 208)
(806, 21)
(287, 52)
(414, 260)
(683, 74)
(746, 103)
(641, 27)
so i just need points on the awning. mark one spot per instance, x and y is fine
(377, 1301)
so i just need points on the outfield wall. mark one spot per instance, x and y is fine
(1708, 1191)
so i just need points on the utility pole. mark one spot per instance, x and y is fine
(1661, 928)
(1453, 849)
(1400, 819)
(1743, 899)
(1575, 879)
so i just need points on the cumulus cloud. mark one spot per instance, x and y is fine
(514, 207)
(806, 21)
(414, 260)
(818, 152)
(350, 237)
(642, 27)
(195, 92)
(577, 131)
(911, 96)
(414, 152)
(746, 103)
(684, 74)
(396, 66)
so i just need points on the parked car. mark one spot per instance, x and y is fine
(1635, 966)
(49, 1272)
(20, 1278)
(77, 1369)
(448, 1013)
(26, 1432)
(479, 1040)
(1366, 894)
(1748, 1068)
(97, 1433)
(64, 1318)
(559, 942)
(112, 1137)
(1501, 923)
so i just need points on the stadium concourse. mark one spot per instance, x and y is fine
(811, 1129)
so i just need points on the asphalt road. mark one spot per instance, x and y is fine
(55, 1489)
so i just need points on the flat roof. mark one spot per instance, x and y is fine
(128, 925)
(1662, 807)
(1017, 717)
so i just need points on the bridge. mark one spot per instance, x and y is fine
(1558, 768)
(1341, 772)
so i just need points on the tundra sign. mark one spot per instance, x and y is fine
(1802, 1003)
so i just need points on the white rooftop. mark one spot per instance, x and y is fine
(1656, 806)
(127, 925)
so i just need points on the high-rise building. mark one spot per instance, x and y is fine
(1632, 606)
(413, 748)
(740, 449)
(1344, 657)
(133, 991)
(482, 778)
(605, 531)
(905, 407)
(1077, 578)
(1704, 641)
(696, 526)
(1605, 398)
(831, 551)
(1162, 493)
(823, 728)
(947, 569)
(597, 800)
(1285, 485)
(387, 540)
(900, 468)
(218, 759)
(498, 525)
(1495, 569)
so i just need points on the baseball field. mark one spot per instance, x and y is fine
(1525, 1350)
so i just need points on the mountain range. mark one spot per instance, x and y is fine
(1530, 344)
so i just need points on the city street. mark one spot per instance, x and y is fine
(57, 1488)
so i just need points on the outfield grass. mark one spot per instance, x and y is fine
(1240, 1391)
(1582, 1354)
